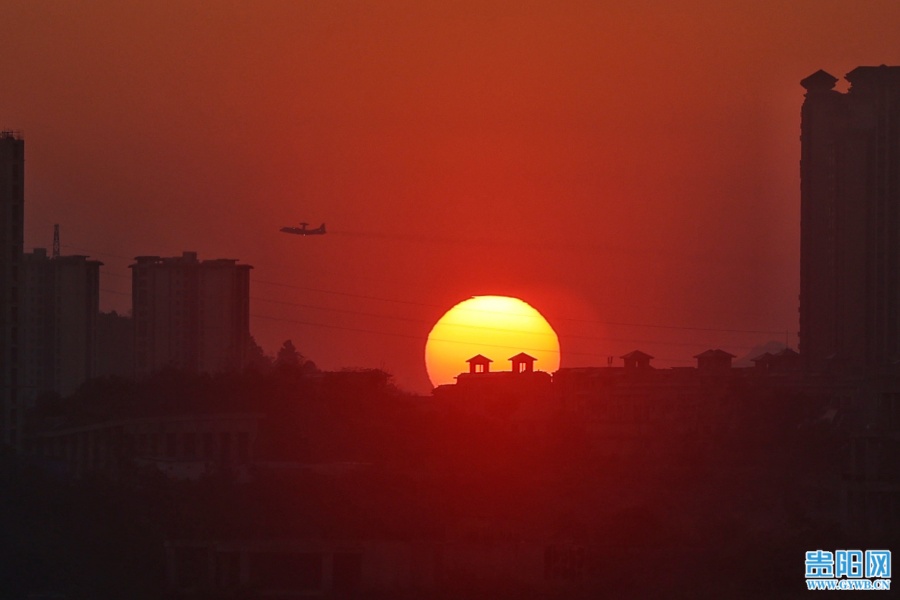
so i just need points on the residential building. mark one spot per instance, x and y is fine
(850, 223)
(12, 209)
(850, 275)
(115, 345)
(62, 302)
(190, 314)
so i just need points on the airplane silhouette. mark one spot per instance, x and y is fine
(302, 230)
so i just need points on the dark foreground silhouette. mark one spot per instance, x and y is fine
(352, 489)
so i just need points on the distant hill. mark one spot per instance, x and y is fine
(770, 346)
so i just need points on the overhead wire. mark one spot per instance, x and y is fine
(484, 311)
(431, 305)
(370, 298)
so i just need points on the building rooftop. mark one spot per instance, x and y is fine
(187, 258)
(717, 353)
(867, 76)
(819, 81)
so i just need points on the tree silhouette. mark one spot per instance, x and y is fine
(288, 356)
(257, 359)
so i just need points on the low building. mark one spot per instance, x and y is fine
(522, 396)
(186, 446)
(336, 568)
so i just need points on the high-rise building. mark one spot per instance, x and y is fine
(115, 345)
(12, 212)
(850, 223)
(190, 314)
(62, 297)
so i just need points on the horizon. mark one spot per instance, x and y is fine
(632, 172)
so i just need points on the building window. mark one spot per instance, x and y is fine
(208, 445)
(347, 571)
(300, 571)
(564, 562)
(171, 445)
(225, 445)
(191, 567)
(190, 445)
(228, 569)
(243, 445)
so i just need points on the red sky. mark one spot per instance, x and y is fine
(629, 169)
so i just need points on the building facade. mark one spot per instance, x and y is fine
(190, 314)
(12, 212)
(115, 345)
(850, 223)
(179, 446)
(850, 275)
(62, 303)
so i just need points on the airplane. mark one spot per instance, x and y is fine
(302, 230)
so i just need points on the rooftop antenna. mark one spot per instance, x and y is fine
(56, 241)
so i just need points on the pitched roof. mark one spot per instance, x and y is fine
(787, 353)
(866, 76)
(479, 359)
(764, 357)
(717, 353)
(522, 356)
(820, 80)
(636, 355)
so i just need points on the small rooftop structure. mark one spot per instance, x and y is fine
(479, 364)
(714, 360)
(636, 360)
(780, 362)
(522, 363)
(820, 81)
(762, 361)
(188, 258)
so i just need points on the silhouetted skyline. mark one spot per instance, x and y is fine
(630, 171)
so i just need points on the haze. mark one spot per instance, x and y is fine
(631, 170)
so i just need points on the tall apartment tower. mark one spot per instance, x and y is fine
(190, 314)
(12, 213)
(850, 223)
(62, 298)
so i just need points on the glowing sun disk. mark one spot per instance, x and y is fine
(497, 327)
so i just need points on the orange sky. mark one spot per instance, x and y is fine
(615, 165)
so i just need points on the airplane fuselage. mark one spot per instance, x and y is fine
(303, 230)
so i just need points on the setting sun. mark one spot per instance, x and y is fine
(497, 327)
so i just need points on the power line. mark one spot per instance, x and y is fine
(569, 319)
(419, 337)
(778, 332)
(431, 305)
(461, 325)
